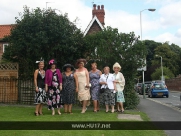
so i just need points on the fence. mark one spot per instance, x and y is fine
(18, 91)
(14, 90)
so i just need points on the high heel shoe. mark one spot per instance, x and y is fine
(36, 114)
(83, 111)
(59, 113)
(40, 113)
(53, 113)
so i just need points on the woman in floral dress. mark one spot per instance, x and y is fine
(94, 75)
(53, 84)
(70, 86)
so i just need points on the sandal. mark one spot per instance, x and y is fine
(70, 112)
(40, 113)
(36, 114)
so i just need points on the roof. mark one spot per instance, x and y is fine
(5, 30)
(91, 23)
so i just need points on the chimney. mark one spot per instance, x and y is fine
(99, 13)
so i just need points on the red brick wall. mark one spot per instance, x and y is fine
(174, 84)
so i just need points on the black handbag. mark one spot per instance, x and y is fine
(102, 90)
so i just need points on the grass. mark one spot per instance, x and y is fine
(25, 113)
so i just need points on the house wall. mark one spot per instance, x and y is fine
(94, 28)
(174, 84)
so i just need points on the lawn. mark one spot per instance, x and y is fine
(25, 113)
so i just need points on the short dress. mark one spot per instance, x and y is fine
(83, 93)
(68, 90)
(40, 96)
(120, 87)
(54, 94)
(95, 85)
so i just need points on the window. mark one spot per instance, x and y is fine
(4, 46)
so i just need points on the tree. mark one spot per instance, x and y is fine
(43, 33)
(158, 73)
(110, 46)
(169, 58)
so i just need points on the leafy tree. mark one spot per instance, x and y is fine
(169, 58)
(158, 73)
(43, 33)
(110, 46)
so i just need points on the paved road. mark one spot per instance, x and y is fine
(159, 112)
(173, 100)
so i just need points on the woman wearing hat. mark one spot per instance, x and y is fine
(83, 84)
(70, 85)
(120, 83)
(53, 84)
(39, 82)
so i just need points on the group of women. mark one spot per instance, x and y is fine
(58, 89)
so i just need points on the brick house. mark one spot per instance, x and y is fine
(5, 30)
(97, 22)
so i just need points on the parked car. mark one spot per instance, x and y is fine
(147, 87)
(138, 87)
(158, 89)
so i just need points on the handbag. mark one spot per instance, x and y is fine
(102, 90)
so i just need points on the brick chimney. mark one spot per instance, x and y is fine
(99, 13)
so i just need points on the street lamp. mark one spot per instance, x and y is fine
(47, 3)
(141, 40)
(161, 66)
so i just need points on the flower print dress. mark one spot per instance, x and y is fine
(54, 95)
(40, 96)
(68, 90)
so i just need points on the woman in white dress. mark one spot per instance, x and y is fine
(120, 83)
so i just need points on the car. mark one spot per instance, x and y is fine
(138, 87)
(147, 87)
(158, 89)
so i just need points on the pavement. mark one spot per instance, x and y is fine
(159, 112)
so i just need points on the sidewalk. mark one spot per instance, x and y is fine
(159, 112)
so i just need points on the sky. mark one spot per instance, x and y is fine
(162, 25)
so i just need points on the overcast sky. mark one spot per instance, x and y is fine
(162, 25)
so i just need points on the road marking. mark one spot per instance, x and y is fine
(175, 96)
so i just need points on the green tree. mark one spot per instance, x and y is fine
(43, 33)
(167, 73)
(169, 58)
(110, 46)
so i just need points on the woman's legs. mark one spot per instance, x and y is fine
(65, 108)
(40, 109)
(121, 105)
(37, 109)
(84, 104)
(112, 108)
(58, 110)
(107, 108)
(95, 104)
(70, 108)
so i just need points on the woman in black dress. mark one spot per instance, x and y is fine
(39, 82)
(70, 86)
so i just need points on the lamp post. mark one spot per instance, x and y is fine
(47, 3)
(161, 65)
(141, 40)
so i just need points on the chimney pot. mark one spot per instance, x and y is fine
(102, 6)
(98, 7)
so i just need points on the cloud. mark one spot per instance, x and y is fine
(166, 17)
(171, 14)
(168, 37)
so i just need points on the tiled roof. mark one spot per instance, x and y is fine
(5, 30)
